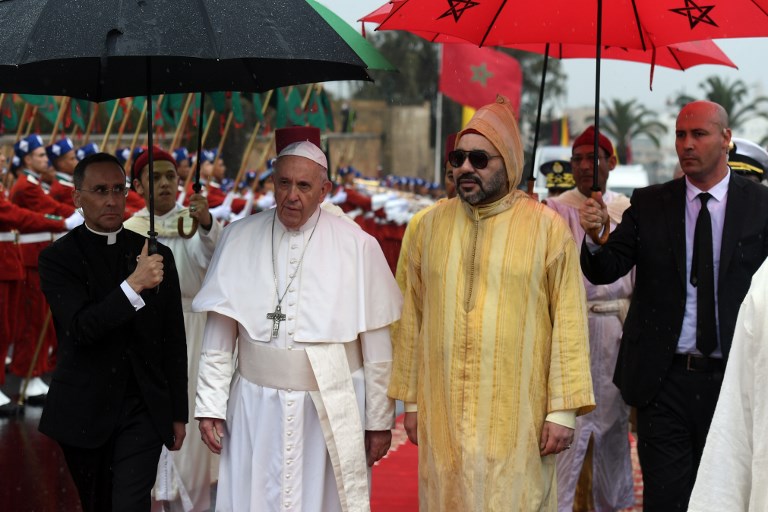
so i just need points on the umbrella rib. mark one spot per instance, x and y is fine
(490, 25)
(760, 7)
(674, 56)
(638, 24)
(212, 33)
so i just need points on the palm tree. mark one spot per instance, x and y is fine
(625, 120)
(734, 98)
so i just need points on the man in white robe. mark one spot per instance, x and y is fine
(607, 427)
(733, 470)
(183, 477)
(306, 298)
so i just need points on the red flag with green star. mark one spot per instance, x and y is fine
(473, 76)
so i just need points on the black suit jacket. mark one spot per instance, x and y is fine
(106, 347)
(651, 237)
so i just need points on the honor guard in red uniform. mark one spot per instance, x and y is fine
(13, 222)
(62, 156)
(28, 193)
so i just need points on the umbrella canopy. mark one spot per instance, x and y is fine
(626, 23)
(99, 49)
(679, 56)
(105, 49)
(370, 55)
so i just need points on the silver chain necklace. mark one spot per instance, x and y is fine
(277, 315)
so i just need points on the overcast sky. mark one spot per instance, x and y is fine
(628, 80)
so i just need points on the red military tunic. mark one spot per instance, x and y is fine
(15, 220)
(62, 188)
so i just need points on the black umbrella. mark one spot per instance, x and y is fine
(107, 49)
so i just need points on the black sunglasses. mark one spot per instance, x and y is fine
(478, 159)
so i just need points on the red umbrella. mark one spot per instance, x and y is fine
(680, 56)
(627, 23)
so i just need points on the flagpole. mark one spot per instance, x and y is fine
(251, 143)
(121, 130)
(438, 121)
(224, 134)
(263, 158)
(20, 128)
(109, 125)
(201, 145)
(91, 121)
(62, 108)
(135, 139)
(32, 115)
(182, 122)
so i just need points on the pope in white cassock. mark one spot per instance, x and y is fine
(183, 477)
(733, 471)
(306, 298)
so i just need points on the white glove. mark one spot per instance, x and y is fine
(339, 197)
(221, 212)
(73, 220)
(246, 209)
(266, 201)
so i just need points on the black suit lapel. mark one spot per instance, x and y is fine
(736, 210)
(673, 204)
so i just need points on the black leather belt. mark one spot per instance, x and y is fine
(697, 363)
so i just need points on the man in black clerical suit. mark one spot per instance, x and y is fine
(694, 268)
(119, 391)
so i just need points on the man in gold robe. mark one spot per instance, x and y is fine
(491, 357)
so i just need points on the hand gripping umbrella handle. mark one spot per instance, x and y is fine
(606, 228)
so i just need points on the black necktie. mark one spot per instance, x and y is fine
(703, 279)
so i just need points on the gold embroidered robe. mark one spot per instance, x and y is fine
(493, 338)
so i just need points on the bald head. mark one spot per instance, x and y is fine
(702, 137)
(714, 111)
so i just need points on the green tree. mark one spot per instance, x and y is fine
(734, 98)
(625, 120)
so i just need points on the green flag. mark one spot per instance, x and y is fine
(219, 100)
(315, 111)
(46, 105)
(258, 106)
(289, 111)
(237, 110)
(79, 111)
(325, 101)
(109, 106)
(9, 117)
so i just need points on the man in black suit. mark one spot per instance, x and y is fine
(119, 391)
(680, 323)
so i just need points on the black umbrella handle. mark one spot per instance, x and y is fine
(197, 187)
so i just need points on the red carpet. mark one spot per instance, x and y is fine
(395, 477)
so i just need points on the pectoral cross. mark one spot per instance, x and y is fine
(276, 318)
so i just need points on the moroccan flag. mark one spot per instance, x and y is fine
(46, 105)
(289, 111)
(474, 76)
(315, 111)
(9, 118)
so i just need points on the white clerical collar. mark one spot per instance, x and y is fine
(111, 237)
(307, 225)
